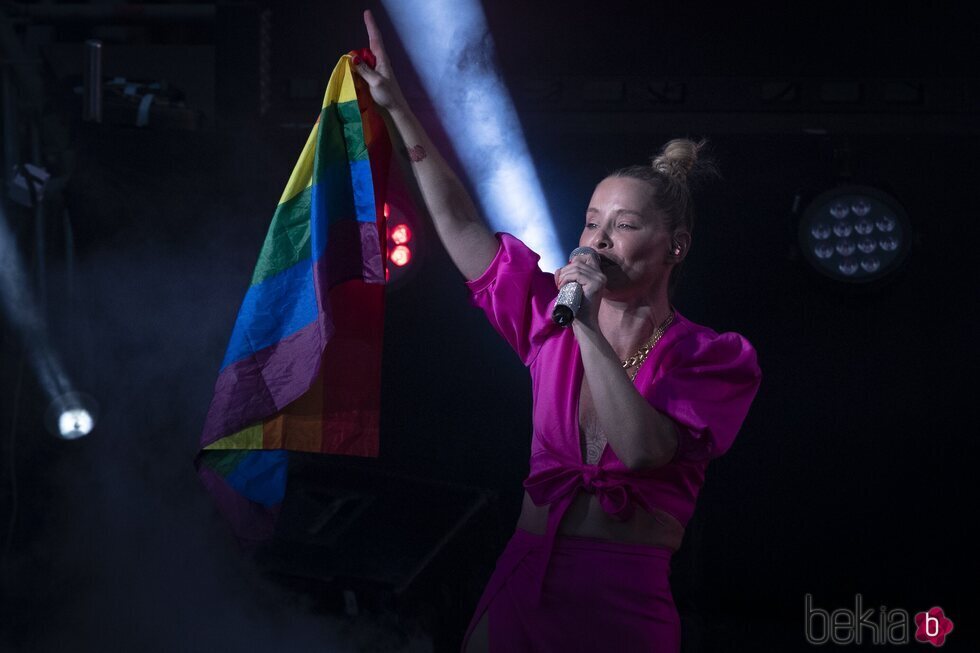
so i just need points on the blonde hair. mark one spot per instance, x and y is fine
(671, 172)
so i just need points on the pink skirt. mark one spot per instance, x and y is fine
(598, 596)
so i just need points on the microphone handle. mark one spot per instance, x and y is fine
(567, 304)
(570, 295)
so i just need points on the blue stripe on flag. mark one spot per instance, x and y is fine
(360, 175)
(273, 309)
(261, 476)
(327, 210)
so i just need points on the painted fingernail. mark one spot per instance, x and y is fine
(368, 57)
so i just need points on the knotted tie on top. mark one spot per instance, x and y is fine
(558, 487)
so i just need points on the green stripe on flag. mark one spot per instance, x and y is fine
(341, 142)
(288, 240)
(350, 116)
(223, 462)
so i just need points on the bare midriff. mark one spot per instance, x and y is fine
(586, 518)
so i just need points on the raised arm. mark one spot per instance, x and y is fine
(462, 231)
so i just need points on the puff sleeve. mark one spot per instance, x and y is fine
(516, 297)
(708, 383)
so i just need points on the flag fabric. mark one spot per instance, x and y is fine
(302, 371)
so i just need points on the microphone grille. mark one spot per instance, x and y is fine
(579, 251)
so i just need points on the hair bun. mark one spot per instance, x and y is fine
(678, 158)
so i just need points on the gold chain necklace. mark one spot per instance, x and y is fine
(633, 363)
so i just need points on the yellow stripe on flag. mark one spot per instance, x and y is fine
(248, 438)
(339, 89)
(302, 176)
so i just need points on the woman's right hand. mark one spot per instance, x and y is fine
(381, 80)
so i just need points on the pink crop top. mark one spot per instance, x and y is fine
(703, 380)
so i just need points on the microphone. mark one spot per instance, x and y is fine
(570, 296)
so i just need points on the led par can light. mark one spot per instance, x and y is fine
(855, 234)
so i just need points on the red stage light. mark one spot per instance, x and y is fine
(401, 255)
(401, 234)
(387, 210)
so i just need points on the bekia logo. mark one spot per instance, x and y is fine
(844, 626)
(932, 626)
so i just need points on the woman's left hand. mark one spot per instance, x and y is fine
(380, 79)
(585, 270)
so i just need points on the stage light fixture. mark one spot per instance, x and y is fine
(403, 245)
(71, 416)
(855, 234)
(401, 234)
(400, 256)
(75, 423)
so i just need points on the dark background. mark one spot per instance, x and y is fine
(852, 473)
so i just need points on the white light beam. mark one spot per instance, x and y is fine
(449, 44)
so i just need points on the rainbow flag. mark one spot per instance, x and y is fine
(302, 371)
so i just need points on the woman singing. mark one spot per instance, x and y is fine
(631, 401)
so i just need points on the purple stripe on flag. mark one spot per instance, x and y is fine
(374, 266)
(264, 383)
(353, 252)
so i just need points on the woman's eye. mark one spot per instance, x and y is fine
(590, 225)
(625, 226)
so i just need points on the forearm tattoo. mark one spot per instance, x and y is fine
(595, 439)
(416, 153)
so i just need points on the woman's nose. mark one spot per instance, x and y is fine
(599, 240)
